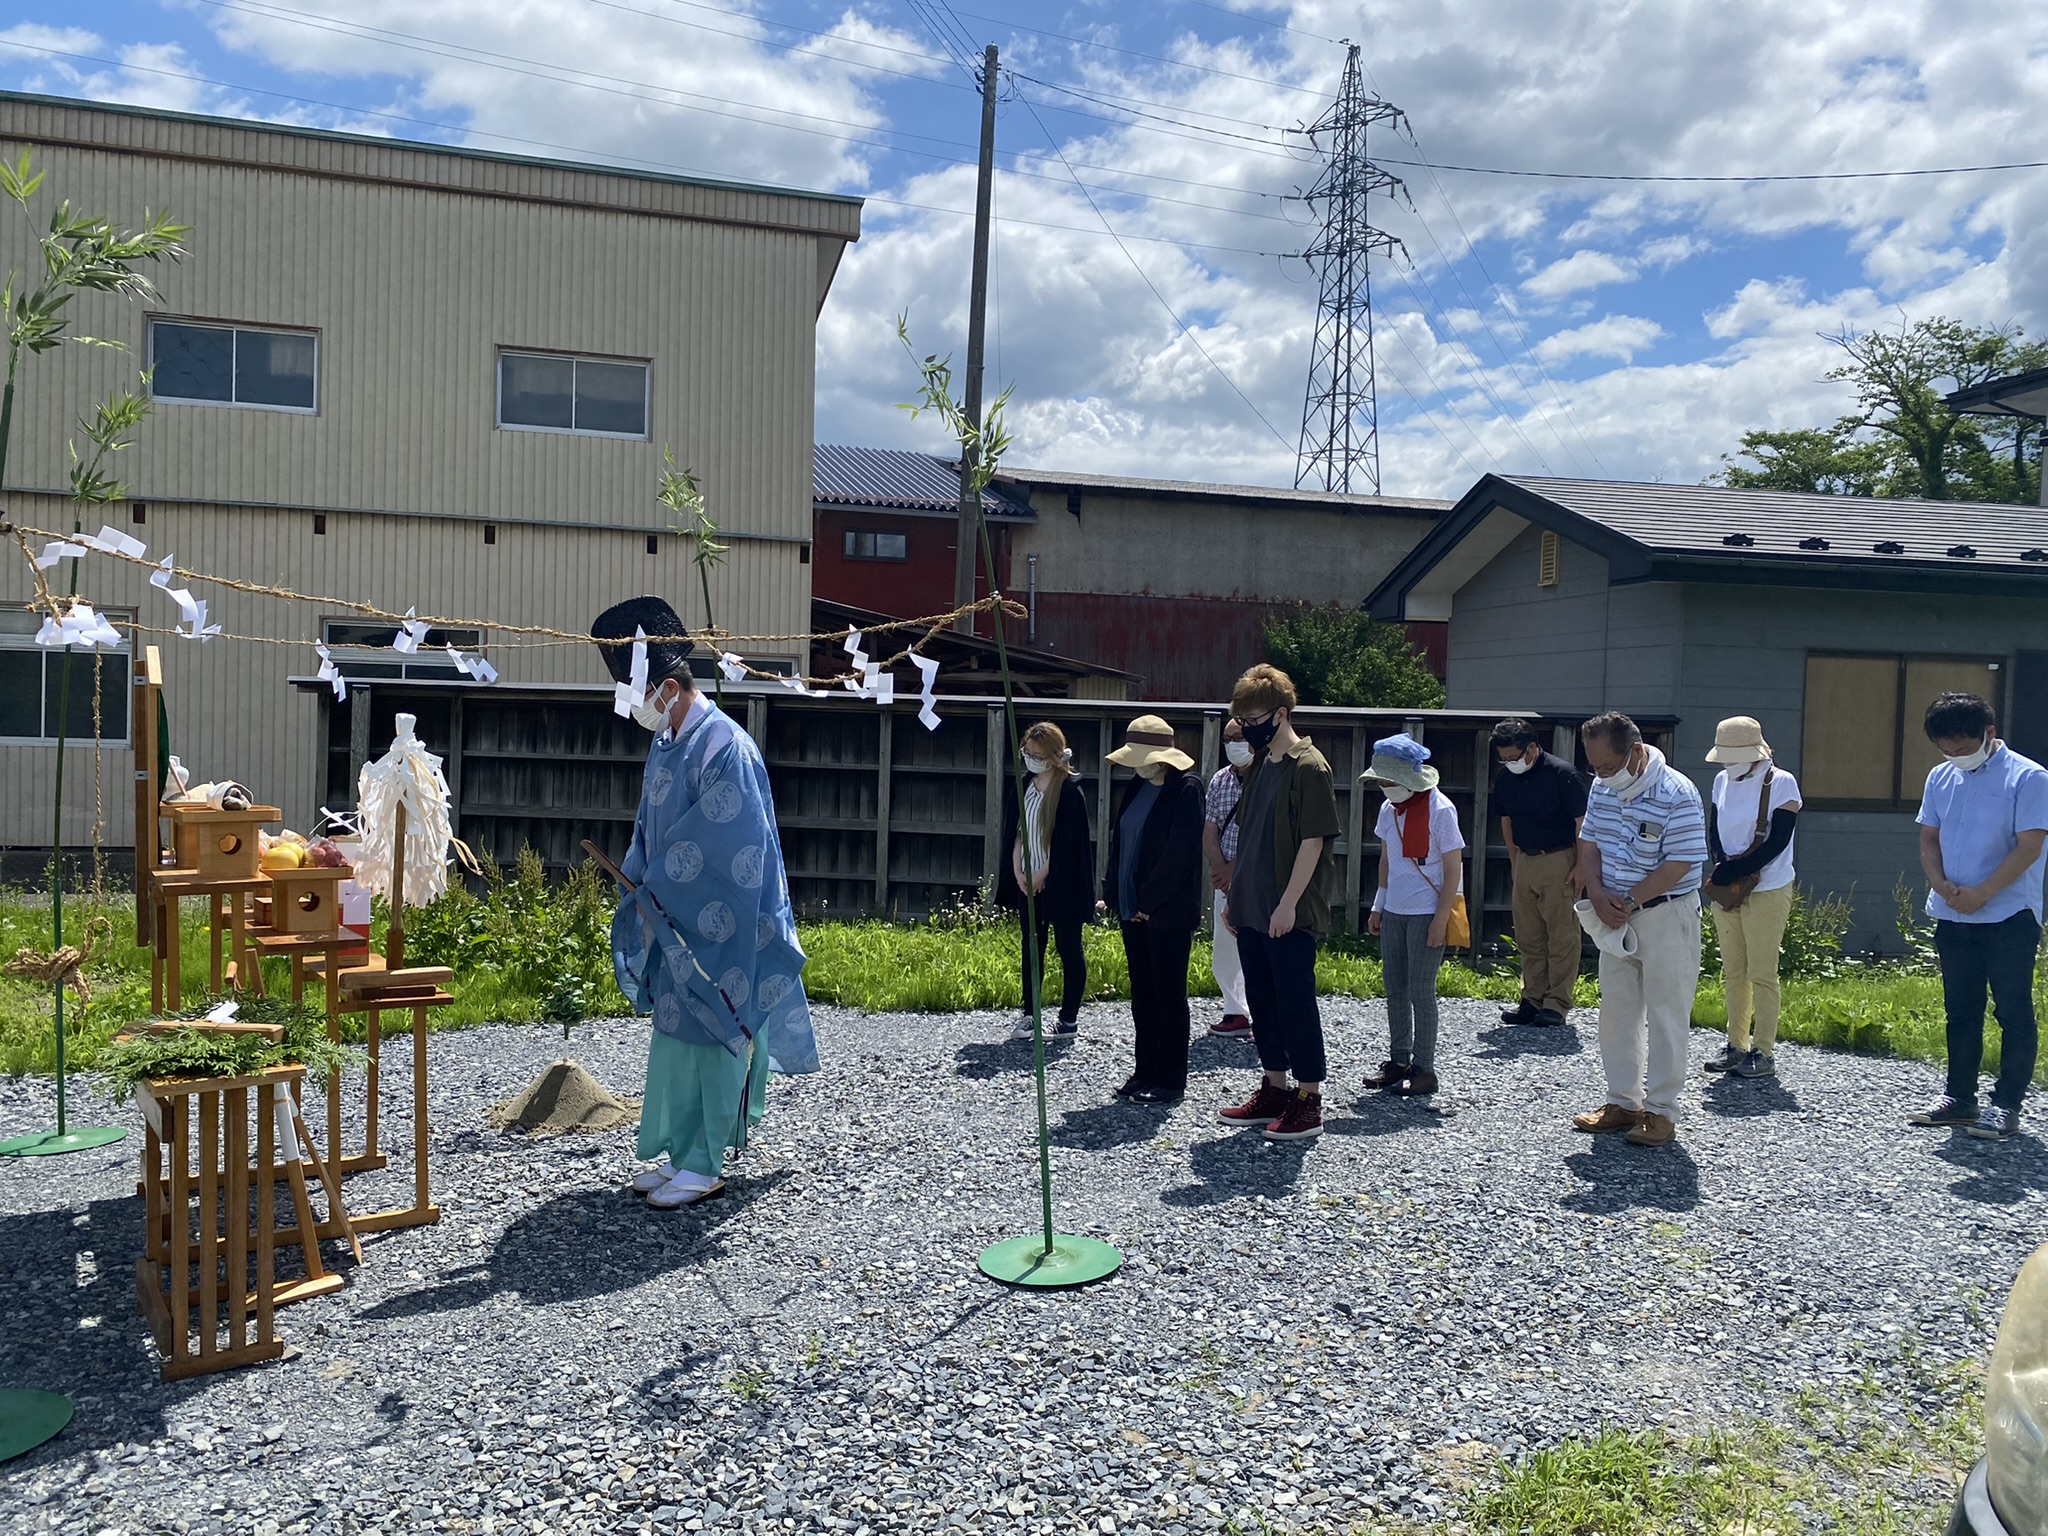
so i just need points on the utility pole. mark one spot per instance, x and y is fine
(1340, 413)
(969, 537)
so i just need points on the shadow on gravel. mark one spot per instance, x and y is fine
(107, 1366)
(1510, 1041)
(1618, 1177)
(1236, 1168)
(1117, 1124)
(1385, 1114)
(982, 1061)
(1747, 1098)
(1996, 1173)
(585, 1243)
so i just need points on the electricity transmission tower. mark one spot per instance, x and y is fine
(1340, 447)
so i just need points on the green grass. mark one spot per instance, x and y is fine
(527, 952)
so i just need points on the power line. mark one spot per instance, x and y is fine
(1266, 21)
(588, 154)
(1196, 137)
(1131, 103)
(1155, 58)
(815, 53)
(1170, 310)
(1926, 170)
(435, 47)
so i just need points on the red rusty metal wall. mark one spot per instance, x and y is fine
(906, 589)
(1185, 648)
(1433, 639)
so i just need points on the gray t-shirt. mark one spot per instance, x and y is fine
(1253, 893)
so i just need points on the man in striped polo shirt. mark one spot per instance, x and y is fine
(1642, 849)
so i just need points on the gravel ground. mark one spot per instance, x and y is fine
(1319, 1335)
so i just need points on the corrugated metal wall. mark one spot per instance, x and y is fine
(415, 268)
(232, 714)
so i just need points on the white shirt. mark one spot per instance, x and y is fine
(1735, 813)
(1408, 893)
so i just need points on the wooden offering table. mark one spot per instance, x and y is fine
(373, 990)
(215, 856)
(202, 1213)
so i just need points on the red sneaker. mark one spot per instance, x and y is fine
(1301, 1120)
(1232, 1026)
(1263, 1106)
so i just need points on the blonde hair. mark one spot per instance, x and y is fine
(1048, 741)
(1262, 690)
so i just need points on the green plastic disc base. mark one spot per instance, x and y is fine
(28, 1418)
(51, 1144)
(1071, 1261)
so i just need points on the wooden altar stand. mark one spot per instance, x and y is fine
(208, 1207)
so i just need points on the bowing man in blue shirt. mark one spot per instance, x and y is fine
(1983, 820)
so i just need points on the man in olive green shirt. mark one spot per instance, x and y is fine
(1279, 905)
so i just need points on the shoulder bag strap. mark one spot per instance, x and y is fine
(1763, 807)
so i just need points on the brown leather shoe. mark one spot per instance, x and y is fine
(1655, 1131)
(1607, 1118)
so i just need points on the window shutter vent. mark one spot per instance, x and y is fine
(1546, 561)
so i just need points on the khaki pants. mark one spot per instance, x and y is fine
(1547, 932)
(1646, 1008)
(1750, 938)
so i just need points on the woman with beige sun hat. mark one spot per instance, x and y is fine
(1751, 883)
(1155, 865)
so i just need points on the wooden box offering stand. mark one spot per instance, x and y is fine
(211, 1163)
(219, 845)
(306, 900)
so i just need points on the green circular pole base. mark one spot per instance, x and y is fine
(28, 1418)
(56, 1144)
(1071, 1261)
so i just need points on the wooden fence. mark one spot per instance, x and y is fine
(878, 816)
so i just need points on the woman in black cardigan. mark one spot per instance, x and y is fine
(1156, 886)
(1060, 866)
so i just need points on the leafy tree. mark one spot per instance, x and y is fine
(1339, 655)
(1902, 439)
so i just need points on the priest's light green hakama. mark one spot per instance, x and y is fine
(695, 1095)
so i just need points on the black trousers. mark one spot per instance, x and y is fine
(1280, 985)
(1073, 966)
(1998, 957)
(1158, 958)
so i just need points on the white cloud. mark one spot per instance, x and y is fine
(1577, 272)
(1107, 380)
(1616, 336)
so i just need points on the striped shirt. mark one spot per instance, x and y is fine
(1224, 791)
(1664, 823)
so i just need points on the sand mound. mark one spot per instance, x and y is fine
(563, 1100)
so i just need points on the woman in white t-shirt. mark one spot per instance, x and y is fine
(1422, 871)
(1750, 828)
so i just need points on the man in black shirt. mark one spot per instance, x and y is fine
(1541, 800)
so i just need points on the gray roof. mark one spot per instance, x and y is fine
(897, 480)
(1047, 479)
(1712, 533)
(2017, 394)
(1719, 522)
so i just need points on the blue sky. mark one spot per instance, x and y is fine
(1621, 329)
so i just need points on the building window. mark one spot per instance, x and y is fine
(362, 650)
(596, 397)
(868, 544)
(1863, 747)
(1547, 555)
(233, 365)
(32, 686)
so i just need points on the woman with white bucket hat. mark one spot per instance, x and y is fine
(1751, 883)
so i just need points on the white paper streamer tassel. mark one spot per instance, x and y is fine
(59, 549)
(928, 693)
(632, 693)
(410, 633)
(331, 674)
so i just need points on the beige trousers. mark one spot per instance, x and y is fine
(1547, 931)
(1751, 937)
(1646, 1008)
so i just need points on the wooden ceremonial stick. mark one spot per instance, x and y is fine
(597, 857)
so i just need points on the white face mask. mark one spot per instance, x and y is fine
(1396, 793)
(1973, 760)
(1239, 753)
(1035, 765)
(1152, 773)
(1621, 783)
(651, 715)
(1748, 769)
(1518, 765)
